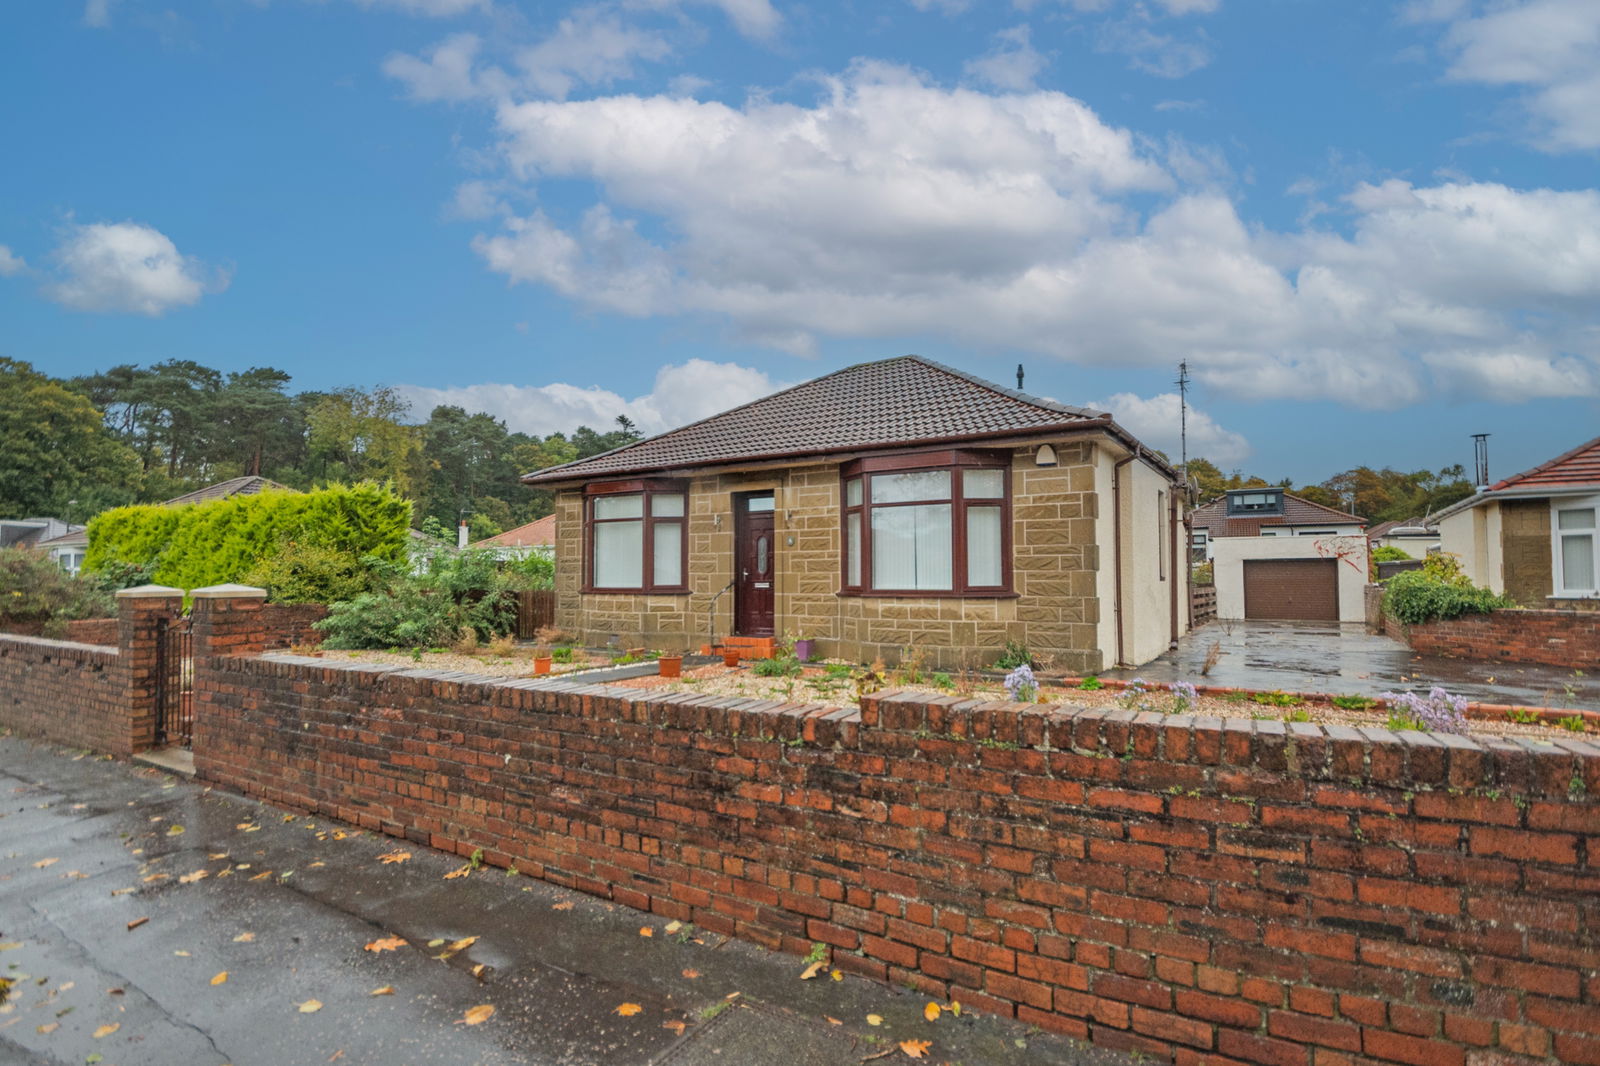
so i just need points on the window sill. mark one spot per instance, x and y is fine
(675, 591)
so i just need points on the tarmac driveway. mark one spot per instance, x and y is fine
(1346, 659)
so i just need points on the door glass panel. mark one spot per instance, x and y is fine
(757, 504)
(761, 556)
(984, 484)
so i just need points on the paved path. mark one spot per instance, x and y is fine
(1346, 659)
(90, 847)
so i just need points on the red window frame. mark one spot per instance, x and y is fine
(646, 488)
(956, 462)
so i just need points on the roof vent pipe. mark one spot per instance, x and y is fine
(1019, 377)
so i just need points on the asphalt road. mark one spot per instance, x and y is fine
(125, 894)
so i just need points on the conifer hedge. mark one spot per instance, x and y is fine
(217, 542)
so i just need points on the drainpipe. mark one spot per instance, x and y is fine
(1172, 535)
(1116, 542)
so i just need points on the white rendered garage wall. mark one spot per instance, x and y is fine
(1231, 553)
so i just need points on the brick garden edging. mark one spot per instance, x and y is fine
(1552, 638)
(1201, 890)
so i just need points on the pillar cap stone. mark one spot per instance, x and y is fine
(229, 592)
(148, 592)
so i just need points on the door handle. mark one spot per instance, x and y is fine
(744, 574)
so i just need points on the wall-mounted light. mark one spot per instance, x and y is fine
(1045, 456)
(716, 520)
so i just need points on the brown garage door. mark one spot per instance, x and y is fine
(1292, 589)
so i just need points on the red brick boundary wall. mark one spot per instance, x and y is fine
(88, 695)
(1199, 890)
(289, 624)
(1554, 638)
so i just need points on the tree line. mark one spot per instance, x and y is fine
(1386, 495)
(72, 447)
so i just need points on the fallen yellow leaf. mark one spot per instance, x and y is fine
(174, 830)
(628, 1010)
(386, 990)
(452, 875)
(243, 825)
(48, 1028)
(221, 978)
(832, 1020)
(394, 857)
(388, 943)
(691, 974)
(262, 876)
(673, 927)
(915, 1049)
(874, 1019)
(478, 1015)
(42, 863)
(955, 1007)
(675, 1025)
(244, 938)
(931, 1011)
(463, 944)
(219, 855)
(567, 906)
(156, 877)
(837, 975)
(107, 1030)
(310, 1006)
(645, 930)
(198, 875)
(811, 971)
(10, 945)
(181, 954)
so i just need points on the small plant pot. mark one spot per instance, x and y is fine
(803, 649)
(671, 665)
(541, 666)
(705, 649)
(730, 658)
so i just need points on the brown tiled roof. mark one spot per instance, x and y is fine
(1213, 517)
(1580, 466)
(222, 490)
(539, 532)
(896, 402)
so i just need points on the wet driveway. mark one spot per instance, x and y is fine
(1346, 659)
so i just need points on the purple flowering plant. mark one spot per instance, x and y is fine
(1437, 712)
(1021, 684)
(1184, 696)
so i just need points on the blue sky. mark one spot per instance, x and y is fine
(1372, 229)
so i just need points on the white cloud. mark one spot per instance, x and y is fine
(1157, 421)
(128, 267)
(891, 206)
(1165, 55)
(591, 47)
(10, 263)
(1012, 63)
(681, 394)
(447, 73)
(948, 7)
(1513, 375)
(97, 13)
(1552, 47)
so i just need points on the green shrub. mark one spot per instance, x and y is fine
(1438, 591)
(220, 541)
(778, 666)
(535, 570)
(1388, 554)
(35, 591)
(114, 577)
(453, 593)
(305, 573)
(1203, 574)
(1015, 654)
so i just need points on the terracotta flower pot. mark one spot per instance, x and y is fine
(730, 658)
(705, 649)
(671, 665)
(541, 666)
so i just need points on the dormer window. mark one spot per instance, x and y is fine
(1255, 502)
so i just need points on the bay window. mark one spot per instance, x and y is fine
(930, 524)
(1577, 546)
(636, 537)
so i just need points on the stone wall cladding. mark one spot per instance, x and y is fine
(1553, 638)
(1055, 557)
(1526, 550)
(1198, 890)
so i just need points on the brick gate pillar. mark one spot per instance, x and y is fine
(227, 621)
(141, 612)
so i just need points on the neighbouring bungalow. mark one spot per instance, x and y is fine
(1278, 557)
(1534, 536)
(537, 536)
(891, 508)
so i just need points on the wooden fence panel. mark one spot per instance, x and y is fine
(536, 608)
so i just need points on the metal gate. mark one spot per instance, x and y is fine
(174, 683)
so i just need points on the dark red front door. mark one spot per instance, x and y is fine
(754, 560)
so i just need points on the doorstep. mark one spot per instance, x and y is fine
(175, 760)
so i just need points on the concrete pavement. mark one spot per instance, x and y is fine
(125, 892)
(1347, 660)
